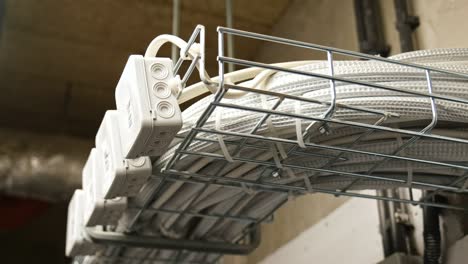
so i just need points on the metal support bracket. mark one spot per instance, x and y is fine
(129, 240)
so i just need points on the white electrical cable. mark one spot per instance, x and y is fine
(258, 75)
(409, 107)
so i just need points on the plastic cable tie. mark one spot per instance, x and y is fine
(175, 85)
(276, 158)
(409, 179)
(222, 145)
(192, 52)
(281, 150)
(300, 138)
(308, 184)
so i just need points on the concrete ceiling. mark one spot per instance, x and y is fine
(61, 59)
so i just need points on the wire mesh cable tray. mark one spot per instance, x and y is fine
(281, 173)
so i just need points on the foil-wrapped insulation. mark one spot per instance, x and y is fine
(45, 167)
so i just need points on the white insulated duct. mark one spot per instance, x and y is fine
(45, 167)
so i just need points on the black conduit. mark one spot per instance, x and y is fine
(368, 22)
(405, 25)
(432, 239)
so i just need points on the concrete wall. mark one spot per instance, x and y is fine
(290, 221)
(340, 231)
(322, 22)
(62, 58)
(442, 23)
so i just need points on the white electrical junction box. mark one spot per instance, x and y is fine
(150, 115)
(77, 242)
(97, 209)
(119, 176)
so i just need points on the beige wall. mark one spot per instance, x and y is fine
(293, 218)
(388, 20)
(443, 23)
(323, 22)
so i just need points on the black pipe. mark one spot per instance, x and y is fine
(405, 25)
(432, 238)
(369, 29)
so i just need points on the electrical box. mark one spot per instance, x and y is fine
(97, 209)
(150, 115)
(77, 242)
(119, 176)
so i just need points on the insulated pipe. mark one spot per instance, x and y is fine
(44, 167)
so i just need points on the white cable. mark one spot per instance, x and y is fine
(388, 74)
(159, 41)
(241, 76)
(201, 88)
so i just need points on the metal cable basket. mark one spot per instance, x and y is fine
(249, 238)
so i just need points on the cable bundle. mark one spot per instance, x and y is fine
(406, 111)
